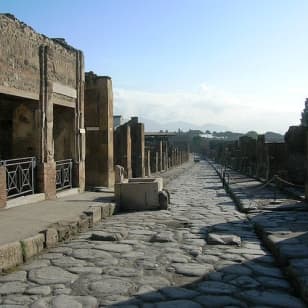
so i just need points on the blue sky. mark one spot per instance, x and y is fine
(241, 64)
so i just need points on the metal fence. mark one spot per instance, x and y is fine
(64, 174)
(19, 176)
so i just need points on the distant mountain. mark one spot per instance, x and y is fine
(151, 125)
(273, 137)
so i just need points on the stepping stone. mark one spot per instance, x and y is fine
(223, 239)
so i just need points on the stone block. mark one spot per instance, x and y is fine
(105, 210)
(10, 255)
(112, 209)
(32, 246)
(139, 194)
(95, 213)
(63, 232)
(83, 223)
(51, 237)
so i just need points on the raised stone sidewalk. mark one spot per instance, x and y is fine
(281, 221)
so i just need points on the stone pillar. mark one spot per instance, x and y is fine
(46, 167)
(46, 179)
(165, 155)
(156, 162)
(160, 156)
(148, 163)
(80, 137)
(137, 140)
(3, 194)
(99, 131)
(122, 148)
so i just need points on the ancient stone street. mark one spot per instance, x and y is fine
(201, 253)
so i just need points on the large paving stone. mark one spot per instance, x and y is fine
(225, 239)
(216, 287)
(120, 248)
(51, 275)
(193, 269)
(110, 286)
(178, 303)
(179, 293)
(17, 276)
(65, 261)
(213, 301)
(64, 301)
(275, 299)
(12, 287)
(89, 254)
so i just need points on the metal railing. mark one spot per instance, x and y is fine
(19, 176)
(64, 174)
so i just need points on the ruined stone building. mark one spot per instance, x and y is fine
(129, 147)
(163, 151)
(56, 122)
(42, 135)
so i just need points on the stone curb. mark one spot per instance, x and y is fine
(16, 253)
(296, 277)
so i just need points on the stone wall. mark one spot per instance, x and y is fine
(20, 59)
(37, 74)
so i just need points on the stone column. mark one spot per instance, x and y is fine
(3, 194)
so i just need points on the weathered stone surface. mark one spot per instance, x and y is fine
(17, 276)
(110, 285)
(91, 254)
(218, 301)
(179, 293)
(277, 299)
(216, 287)
(193, 269)
(121, 248)
(51, 237)
(51, 275)
(178, 303)
(43, 290)
(64, 301)
(108, 236)
(10, 255)
(95, 213)
(12, 287)
(162, 237)
(85, 269)
(225, 239)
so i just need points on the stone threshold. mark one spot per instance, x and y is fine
(16, 253)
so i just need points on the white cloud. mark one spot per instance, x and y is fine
(212, 105)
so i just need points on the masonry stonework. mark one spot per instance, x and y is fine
(41, 101)
(99, 130)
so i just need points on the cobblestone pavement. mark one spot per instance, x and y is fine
(201, 253)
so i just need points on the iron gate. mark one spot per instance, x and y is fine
(19, 176)
(64, 174)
